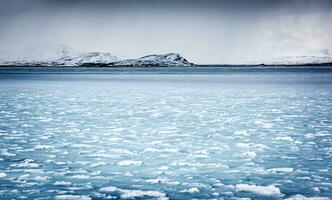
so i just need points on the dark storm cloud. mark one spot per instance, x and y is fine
(207, 31)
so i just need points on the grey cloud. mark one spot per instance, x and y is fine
(209, 31)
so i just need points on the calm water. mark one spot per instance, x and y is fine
(162, 133)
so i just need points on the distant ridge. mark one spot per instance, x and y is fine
(63, 56)
(59, 55)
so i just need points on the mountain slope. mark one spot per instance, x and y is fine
(65, 57)
(298, 60)
(170, 59)
(59, 55)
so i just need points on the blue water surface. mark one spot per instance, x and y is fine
(166, 133)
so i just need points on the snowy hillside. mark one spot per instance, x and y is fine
(170, 59)
(57, 55)
(314, 57)
(86, 58)
(298, 60)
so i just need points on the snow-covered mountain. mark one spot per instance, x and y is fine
(311, 58)
(86, 58)
(170, 59)
(59, 55)
(63, 56)
(297, 60)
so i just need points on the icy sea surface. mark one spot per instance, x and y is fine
(166, 133)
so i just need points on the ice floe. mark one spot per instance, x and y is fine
(190, 190)
(281, 170)
(269, 190)
(27, 163)
(3, 174)
(72, 197)
(63, 183)
(129, 194)
(108, 189)
(130, 163)
(301, 197)
(140, 140)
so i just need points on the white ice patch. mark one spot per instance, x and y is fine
(242, 133)
(129, 194)
(62, 183)
(269, 190)
(267, 125)
(163, 181)
(27, 163)
(251, 145)
(281, 170)
(40, 178)
(3, 174)
(81, 177)
(191, 190)
(285, 138)
(130, 163)
(301, 197)
(43, 146)
(108, 189)
(98, 164)
(72, 197)
(6, 153)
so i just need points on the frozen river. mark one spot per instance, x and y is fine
(163, 133)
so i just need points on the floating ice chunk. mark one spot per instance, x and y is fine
(269, 190)
(285, 138)
(6, 153)
(242, 133)
(43, 146)
(40, 178)
(163, 181)
(252, 145)
(72, 197)
(267, 125)
(243, 145)
(3, 174)
(81, 177)
(129, 194)
(122, 151)
(301, 197)
(130, 162)
(120, 129)
(27, 163)
(114, 139)
(80, 145)
(281, 170)
(164, 167)
(108, 189)
(191, 190)
(62, 183)
(216, 194)
(98, 164)
(44, 119)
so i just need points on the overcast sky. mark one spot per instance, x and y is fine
(204, 31)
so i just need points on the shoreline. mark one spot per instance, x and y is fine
(179, 66)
